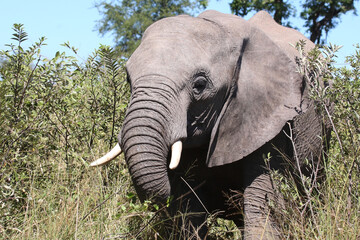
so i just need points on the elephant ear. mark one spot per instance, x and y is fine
(267, 90)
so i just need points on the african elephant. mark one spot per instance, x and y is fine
(214, 95)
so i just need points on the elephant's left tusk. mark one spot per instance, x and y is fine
(108, 157)
(175, 154)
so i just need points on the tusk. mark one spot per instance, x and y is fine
(108, 157)
(175, 154)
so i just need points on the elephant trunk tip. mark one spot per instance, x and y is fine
(155, 195)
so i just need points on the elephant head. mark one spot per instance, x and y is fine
(214, 81)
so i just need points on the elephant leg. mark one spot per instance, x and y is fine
(259, 223)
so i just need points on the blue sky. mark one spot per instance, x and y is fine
(75, 21)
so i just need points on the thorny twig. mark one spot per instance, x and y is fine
(302, 176)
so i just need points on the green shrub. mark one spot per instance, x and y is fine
(55, 116)
(329, 209)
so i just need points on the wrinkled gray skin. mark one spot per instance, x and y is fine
(227, 88)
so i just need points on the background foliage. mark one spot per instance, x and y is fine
(57, 115)
(54, 115)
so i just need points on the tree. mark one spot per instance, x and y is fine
(128, 19)
(323, 15)
(320, 15)
(281, 10)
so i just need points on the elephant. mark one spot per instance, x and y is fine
(213, 97)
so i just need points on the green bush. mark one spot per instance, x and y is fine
(329, 209)
(55, 116)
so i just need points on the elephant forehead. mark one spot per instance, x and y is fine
(172, 54)
(185, 27)
(176, 46)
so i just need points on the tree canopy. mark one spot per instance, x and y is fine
(320, 15)
(128, 19)
(281, 10)
(323, 15)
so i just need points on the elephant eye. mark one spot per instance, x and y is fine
(199, 85)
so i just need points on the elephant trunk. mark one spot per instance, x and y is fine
(146, 143)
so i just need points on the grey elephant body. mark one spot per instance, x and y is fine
(243, 191)
(229, 91)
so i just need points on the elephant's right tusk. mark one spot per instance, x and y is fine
(175, 154)
(108, 157)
